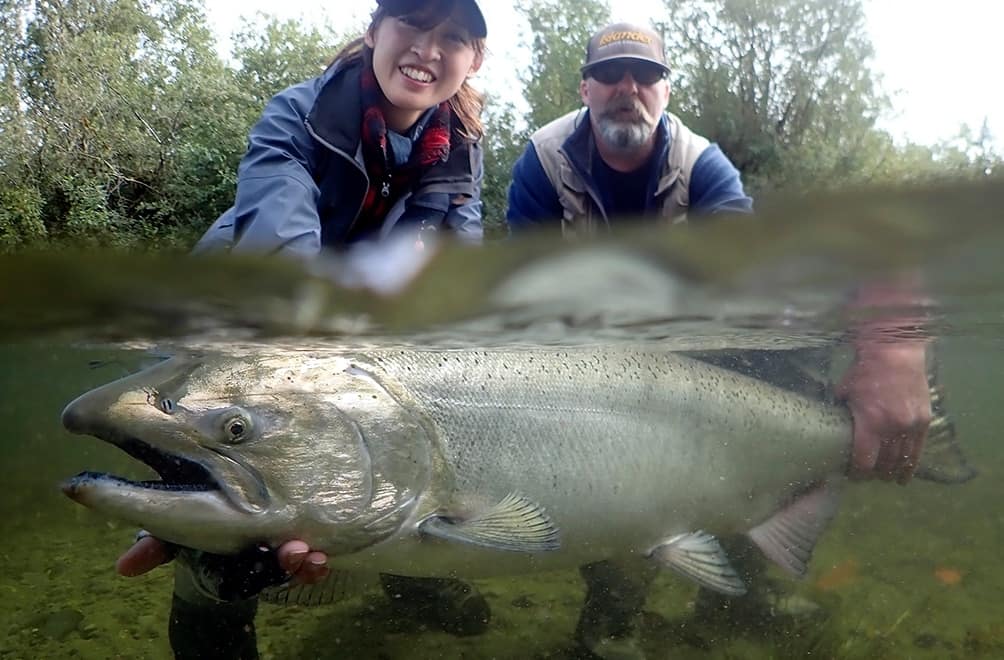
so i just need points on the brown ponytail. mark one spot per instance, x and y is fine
(467, 104)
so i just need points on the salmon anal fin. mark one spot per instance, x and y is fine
(789, 536)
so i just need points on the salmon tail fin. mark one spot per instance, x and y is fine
(942, 459)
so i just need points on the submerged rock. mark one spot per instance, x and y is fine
(58, 625)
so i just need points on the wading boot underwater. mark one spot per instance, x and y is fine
(215, 602)
(609, 622)
(203, 627)
(213, 630)
(453, 606)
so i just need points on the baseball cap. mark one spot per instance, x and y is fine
(475, 20)
(625, 41)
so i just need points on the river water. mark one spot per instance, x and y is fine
(902, 572)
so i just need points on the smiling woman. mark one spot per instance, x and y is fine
(385, 141)
(384, 144)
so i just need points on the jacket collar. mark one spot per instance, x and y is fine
(337, 114)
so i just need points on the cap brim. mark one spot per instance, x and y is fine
(613, 58)
(475, 19)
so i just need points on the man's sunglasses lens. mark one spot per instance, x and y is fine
(643, 74)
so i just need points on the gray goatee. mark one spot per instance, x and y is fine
(624, 135)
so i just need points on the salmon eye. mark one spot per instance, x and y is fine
(237, 428)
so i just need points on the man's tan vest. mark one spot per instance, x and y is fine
(581, 212)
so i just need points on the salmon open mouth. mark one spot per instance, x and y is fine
(177, 473)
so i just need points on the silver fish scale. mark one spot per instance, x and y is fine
(618, 433)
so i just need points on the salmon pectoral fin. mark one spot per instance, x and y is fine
(698, 556)
(515, 524)
(789, 536)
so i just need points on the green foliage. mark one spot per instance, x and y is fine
(119, 123)
(20, 218)
(504, 142)
(273, 55)
(560, 31)
(112, 91)
(971, 154)
(784, 86)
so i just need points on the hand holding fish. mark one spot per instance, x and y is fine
(886, 387)
(294, 557)
(146, 554)
(305, 566)
(887, 392)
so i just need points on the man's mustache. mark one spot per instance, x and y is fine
(625, 103)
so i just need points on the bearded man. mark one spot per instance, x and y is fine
(623, 155)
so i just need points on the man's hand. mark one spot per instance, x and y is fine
(887, 392)
(886, 387)
(295, 558)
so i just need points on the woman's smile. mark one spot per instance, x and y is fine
(417, 74)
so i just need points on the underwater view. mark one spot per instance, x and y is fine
(906, 571)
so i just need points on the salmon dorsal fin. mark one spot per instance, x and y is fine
(515, 524)
(698, 556)
(789, 536)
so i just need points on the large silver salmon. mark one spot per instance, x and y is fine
(473, 462)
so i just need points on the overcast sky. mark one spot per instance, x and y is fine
(938, 60)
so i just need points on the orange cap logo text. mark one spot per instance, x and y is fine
(624, 35)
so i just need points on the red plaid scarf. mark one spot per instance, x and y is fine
(388, 183)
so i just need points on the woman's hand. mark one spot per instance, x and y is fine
(294, 557)
(305, 566)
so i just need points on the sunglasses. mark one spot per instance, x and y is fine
(611, 73)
